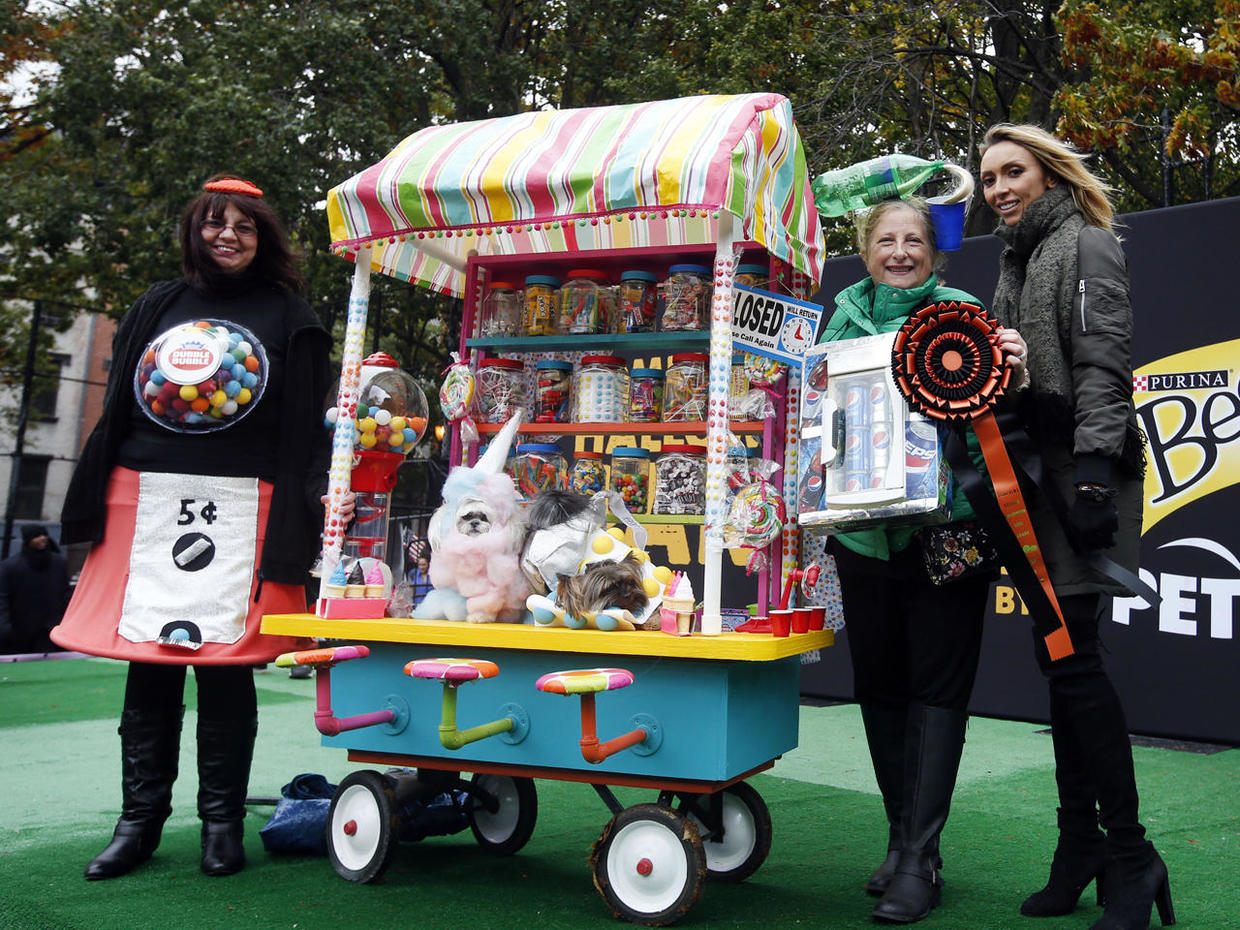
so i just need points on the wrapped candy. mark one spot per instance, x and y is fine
(457, 397)
(757, 515)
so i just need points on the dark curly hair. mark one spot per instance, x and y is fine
(274, 260)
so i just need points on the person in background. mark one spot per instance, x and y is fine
(34, 589)
(420, 579)
(196, 535)
(914, 645)
(1063, 285)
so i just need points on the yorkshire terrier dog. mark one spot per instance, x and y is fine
(602, 586)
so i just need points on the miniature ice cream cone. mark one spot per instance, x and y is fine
(356, 586)
(681, 602)
(336, 583)
(374, 580)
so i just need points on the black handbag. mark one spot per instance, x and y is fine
(956, 550)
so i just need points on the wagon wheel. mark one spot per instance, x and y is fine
(745, 841)
(649, 865)
(362, 826)
(502, 812)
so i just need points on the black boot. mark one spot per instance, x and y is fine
(1080, 853)
(884, 734)
(1136, 876)
(933, 743)
(225, 750)
(150, 746)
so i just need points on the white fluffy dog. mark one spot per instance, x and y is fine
(476, 537)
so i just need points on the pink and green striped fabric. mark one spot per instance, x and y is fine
(654, 173)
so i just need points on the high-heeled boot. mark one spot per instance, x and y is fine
(1080, 853)
(150, 747)
(225, 750)
(884, 734)
(933, 743)
(1136, 877)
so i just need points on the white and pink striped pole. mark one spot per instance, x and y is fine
(345, 434)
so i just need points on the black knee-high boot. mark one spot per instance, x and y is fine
(150, 747)
(225, 750)
(933, 743)
(1136, 877)
(1080, 852)
(884, 734)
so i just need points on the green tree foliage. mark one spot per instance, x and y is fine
(1158, 95)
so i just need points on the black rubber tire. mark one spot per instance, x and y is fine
(649, 865)
(506, 829)
(362, 826)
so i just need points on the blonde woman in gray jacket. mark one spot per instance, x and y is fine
(1063, 285)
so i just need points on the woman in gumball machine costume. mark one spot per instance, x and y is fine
(200, 491)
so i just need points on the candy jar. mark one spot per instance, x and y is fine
(539, 466)
(501, 310)
(587, 476)
(752, 275)
(680, 480)
(686, 388)
(585, 300)
(601, 390)
(686, 298)
(630, 476)
(542, 300)
(638, 296)
(646, 395)
(501, 389)
(552, 381)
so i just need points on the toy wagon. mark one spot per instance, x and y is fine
(699, 181)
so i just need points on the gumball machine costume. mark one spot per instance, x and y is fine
(391, 420)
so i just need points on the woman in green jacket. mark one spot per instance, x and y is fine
(914, 645)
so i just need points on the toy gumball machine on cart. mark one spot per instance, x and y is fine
(391, 419)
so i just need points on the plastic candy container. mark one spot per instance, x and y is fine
(630, 476)
(552, 382)
(638, 297)
(391, 412)
(601, 389)
(685, 393)
(680, 480)
(539, 466)
(585, 302)
(501, 310)
(501, 389)
(645, 395)
(686, 298)
(542, 296)
(587, 476)
(199, 377)
(752, 275)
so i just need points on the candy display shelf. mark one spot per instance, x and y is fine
(682, 427)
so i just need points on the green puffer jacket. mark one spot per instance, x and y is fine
(867, 309)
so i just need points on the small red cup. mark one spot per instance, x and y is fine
(818, 618)
(801, 617)
(781, 622)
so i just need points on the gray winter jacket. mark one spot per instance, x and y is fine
(1078, 408)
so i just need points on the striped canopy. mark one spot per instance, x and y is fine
(645, 174)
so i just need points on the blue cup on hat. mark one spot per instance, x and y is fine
(948, 220)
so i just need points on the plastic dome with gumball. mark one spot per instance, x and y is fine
(392, 410)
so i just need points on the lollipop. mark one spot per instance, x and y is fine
(757, 518)
(762, 370)
(456, 397)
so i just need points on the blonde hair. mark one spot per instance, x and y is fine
(1063, 162)
(867, 221)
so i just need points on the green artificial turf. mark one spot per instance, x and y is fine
(59, 774)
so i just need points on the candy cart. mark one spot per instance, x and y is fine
(472, 208)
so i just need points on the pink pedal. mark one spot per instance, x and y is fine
(455, 670)
(585, 680)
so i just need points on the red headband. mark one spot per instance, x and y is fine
(232, 186)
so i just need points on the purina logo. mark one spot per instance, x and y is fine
(1180, 381)
(1191, 418)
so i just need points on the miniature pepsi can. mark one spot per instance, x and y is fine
(857, 452)
(921, 452)
(856, 406)
(880, 453)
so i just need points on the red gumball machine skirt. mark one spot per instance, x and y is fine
(91, 622)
